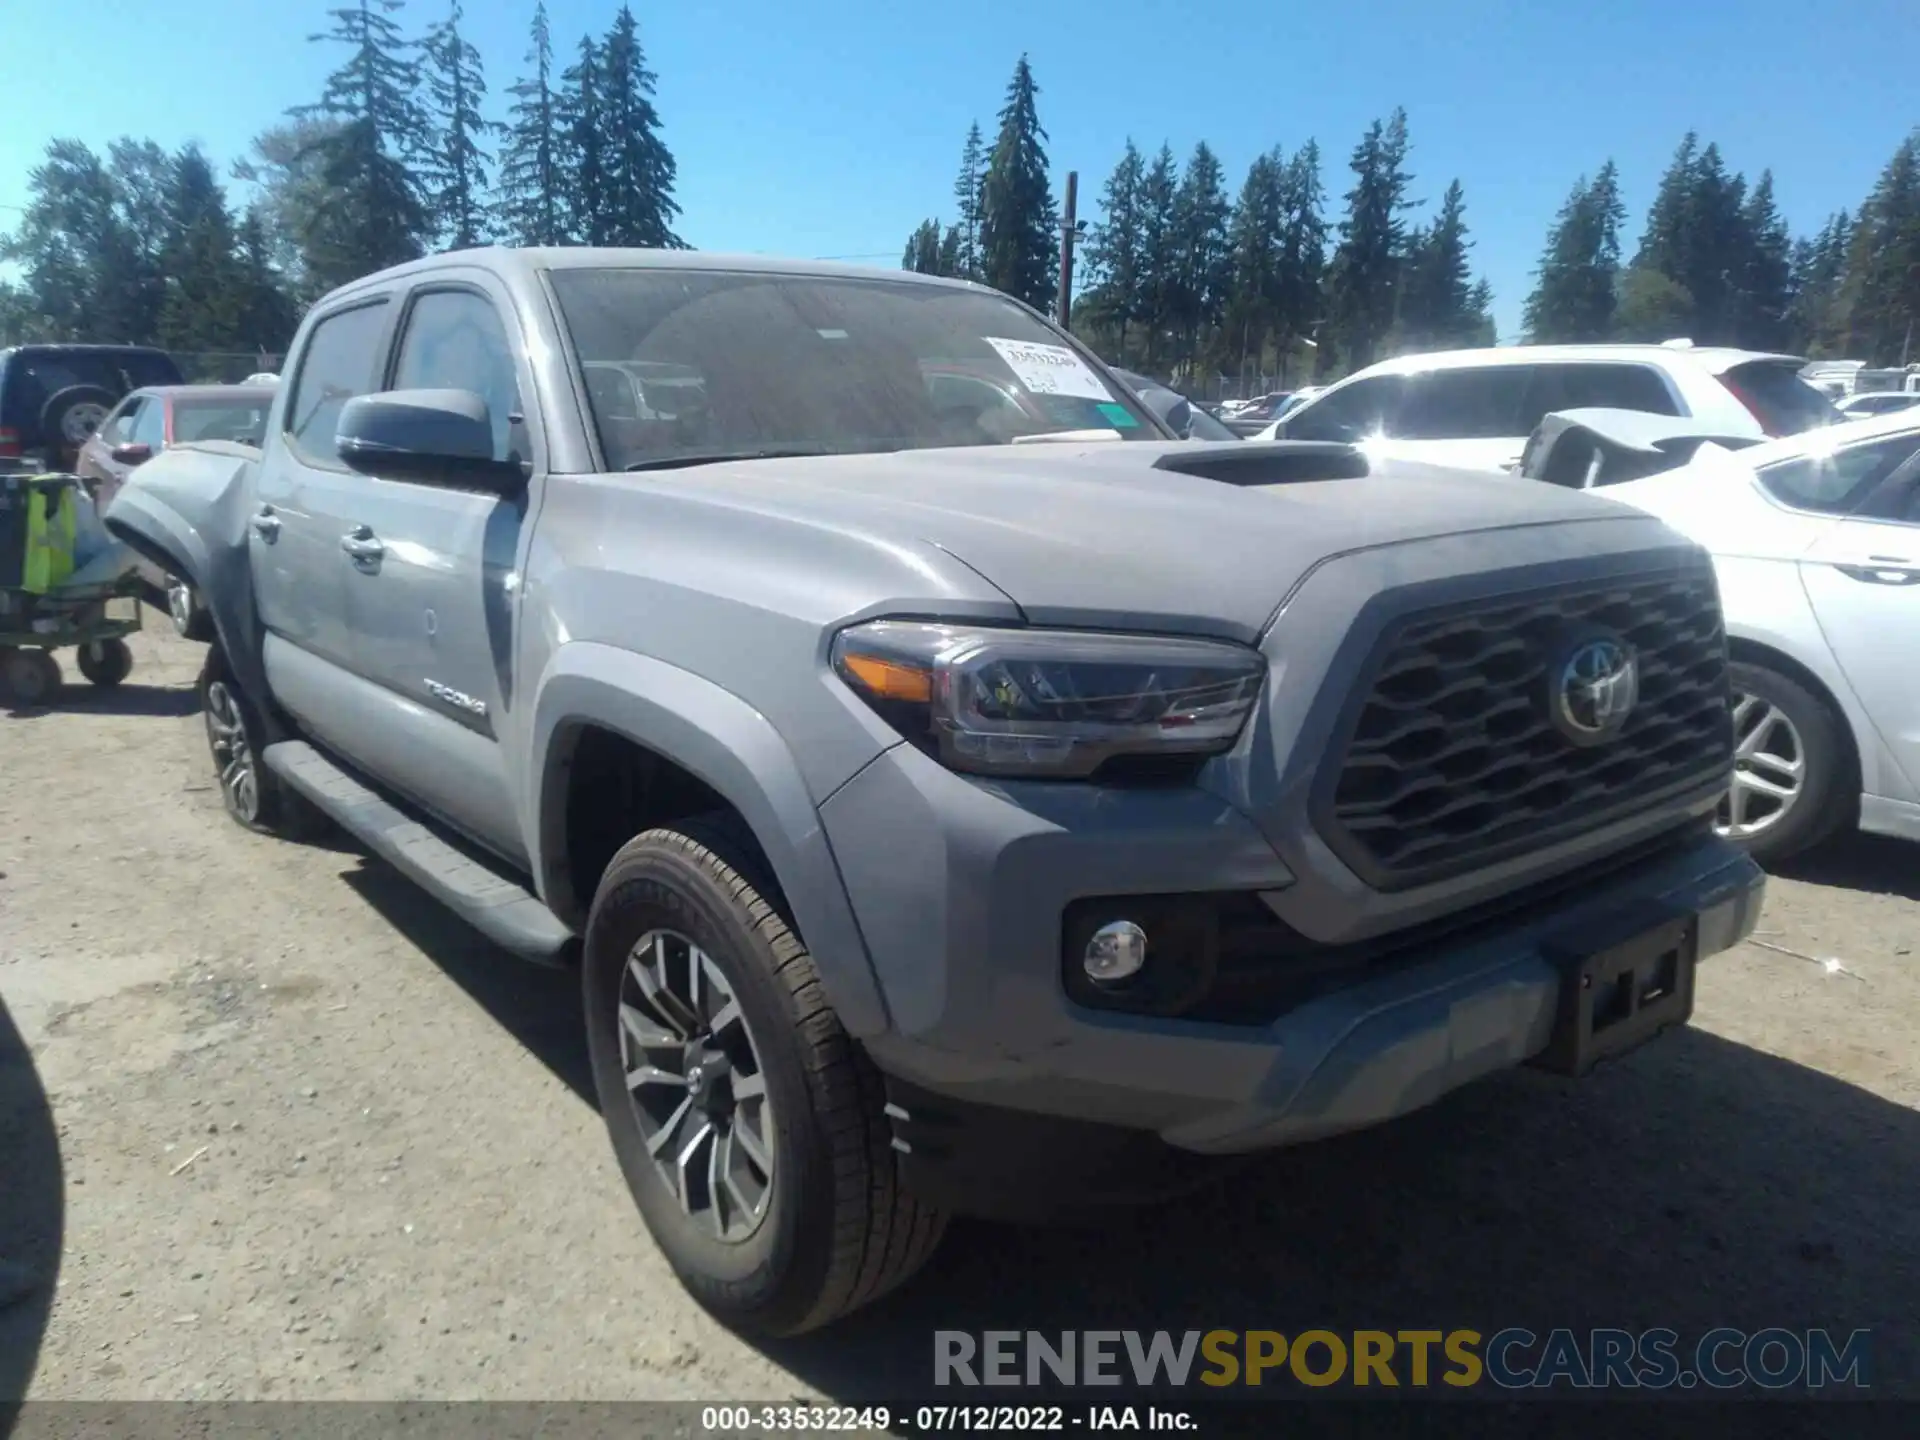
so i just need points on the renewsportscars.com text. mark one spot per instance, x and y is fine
(1511, 1359)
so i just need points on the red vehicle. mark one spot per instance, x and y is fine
(150, 420)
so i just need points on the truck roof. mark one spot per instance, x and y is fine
(515, 262)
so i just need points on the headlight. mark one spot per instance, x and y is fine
(1048, 703)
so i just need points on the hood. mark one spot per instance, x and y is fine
(1109, 535)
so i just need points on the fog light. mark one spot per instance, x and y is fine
(1116, 952)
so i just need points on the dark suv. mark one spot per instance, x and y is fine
(52, 397)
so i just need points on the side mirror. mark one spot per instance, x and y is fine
(437, 437)
(134, 452)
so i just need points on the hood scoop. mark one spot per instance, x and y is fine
(1276, 462)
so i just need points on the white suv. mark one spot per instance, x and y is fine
(1476, 408)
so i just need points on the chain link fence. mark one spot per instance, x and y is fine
(225, 367)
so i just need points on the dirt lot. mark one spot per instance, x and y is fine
(273, 1126)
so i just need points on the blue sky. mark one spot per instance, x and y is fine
(831, 128)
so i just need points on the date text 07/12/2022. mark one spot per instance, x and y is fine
(941, 1419)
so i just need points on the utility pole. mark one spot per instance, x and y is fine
(1069, 232)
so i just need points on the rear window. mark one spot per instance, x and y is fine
(219, 420)
(1780, 400)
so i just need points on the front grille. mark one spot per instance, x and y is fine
(1453, 762)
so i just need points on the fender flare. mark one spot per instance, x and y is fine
(733, 749)
(221, 573)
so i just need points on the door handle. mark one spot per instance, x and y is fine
(361, 543)
(266, 524)
(1881, 570)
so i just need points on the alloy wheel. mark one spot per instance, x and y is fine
(695, 1080)
(1769, 769)
(233, 754)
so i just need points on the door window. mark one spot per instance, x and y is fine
(1482, 403)
(1348, 414)
(454, 340)
(117, 427)
(1599, 387)
(340, 363)
(150, 425)
(1838, 484)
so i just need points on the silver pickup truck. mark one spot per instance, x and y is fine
(958, 794)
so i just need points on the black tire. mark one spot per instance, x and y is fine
(58, 410)
(839, 1230)
(29, 677)
(263, 803)
(105, 663)
(1826, 801)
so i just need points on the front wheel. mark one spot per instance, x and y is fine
(1790, 766)
(254, 796)
(746, 1121)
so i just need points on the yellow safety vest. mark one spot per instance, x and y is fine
(45, 558)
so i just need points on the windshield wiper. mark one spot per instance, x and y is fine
(720, 457)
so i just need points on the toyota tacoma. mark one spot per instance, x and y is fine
(957, 793)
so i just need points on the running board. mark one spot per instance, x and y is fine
(508, 914)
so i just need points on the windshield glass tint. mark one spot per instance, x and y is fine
(688, 363)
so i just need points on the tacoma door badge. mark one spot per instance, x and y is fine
(458, 699)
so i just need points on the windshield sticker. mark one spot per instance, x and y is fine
(1050, 369)
(1118, 416)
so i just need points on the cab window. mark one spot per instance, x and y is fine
(454, 340)
(341, 362)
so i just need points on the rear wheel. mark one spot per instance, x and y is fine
(1790, 766)
(106, 663)
(748, 1124)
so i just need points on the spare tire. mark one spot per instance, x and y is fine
(70, 416)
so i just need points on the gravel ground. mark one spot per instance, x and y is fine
(272, 1126)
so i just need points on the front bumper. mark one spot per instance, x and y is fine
(959, 888)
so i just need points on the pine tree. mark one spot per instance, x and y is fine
(1696, 238)
(1817, 325)
(1159, 252)
(640, 208)
(1579, 273)
(1765, 279)
(204, 290)
(1885, 263)
(531, 209)
(923, 249)
(1255, 239)
(265, 316)
(376, 215)
(1018, 221)
(1296, 305)
(1113, 300)
(71, 248)
(1480, 332)
(453, 168)
(1365, 284)
(966, 195)
(1200, 215)
(583, 118)
(1436, 302)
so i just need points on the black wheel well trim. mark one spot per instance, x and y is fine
(1744, 651)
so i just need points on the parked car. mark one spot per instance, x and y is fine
(1254, 416)
(1816, 541)
(52, 397)
(147, 422)
(1476, 408)
(940, 825)
(1180, 415)
(1876, 402)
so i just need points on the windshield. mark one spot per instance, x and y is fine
(685, 365)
